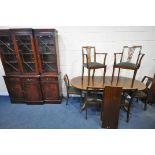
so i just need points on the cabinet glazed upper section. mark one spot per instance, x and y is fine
(29, 51)
(46, 46)
(8, 53)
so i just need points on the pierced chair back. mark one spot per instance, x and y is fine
(131, 54)
(130, 58)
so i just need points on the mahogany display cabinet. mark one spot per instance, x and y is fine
(30, 58)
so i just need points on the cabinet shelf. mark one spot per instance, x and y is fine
(48, 62)
(11, 62)
(23, 52)
(27, 53)
(48, 53)
(9, 53)
(29, 62)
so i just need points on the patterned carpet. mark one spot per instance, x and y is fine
(60, 116)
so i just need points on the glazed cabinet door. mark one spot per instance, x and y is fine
(32, 90)
(46, 50)
(50, 88)
(9, 57)
(24, 44)
(14, 87)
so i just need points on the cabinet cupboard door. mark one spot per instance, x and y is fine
(46, 49)
(50, 88)
(32, 90)
(9, 58)
(14, 87)
(24, 44)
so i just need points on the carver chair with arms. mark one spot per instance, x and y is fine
(89, 61)
(130, 58)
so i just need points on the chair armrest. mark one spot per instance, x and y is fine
(102, 53)
(115, 57)
(105, 56)
(138, 63)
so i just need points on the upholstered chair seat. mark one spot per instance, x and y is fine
(72, 89)
(94, 65)
(126, 64)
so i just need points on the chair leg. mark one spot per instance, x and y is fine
(118, 75)
(133, 79)
(67, 99)
(128, 112)
(82, 72)
(145, 105)
(81, 100)
(112, 74)
(88, 76)
(93, 73)
(86, 111)
(101, 112)
(104, 75)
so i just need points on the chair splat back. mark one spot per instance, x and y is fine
(66, 79)
(147, 80)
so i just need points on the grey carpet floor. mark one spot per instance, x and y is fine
(60, 116)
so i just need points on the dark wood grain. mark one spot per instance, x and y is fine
(97, 81)
(50, 88)
(14, 86)
(32, 89)
(33, 80)
(111, 107)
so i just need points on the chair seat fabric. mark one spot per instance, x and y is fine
(126, 64)
(73, 89)
(94, 65)
(140, 94)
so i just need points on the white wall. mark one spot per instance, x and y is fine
(105, 39)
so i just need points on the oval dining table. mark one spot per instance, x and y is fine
(97, 81)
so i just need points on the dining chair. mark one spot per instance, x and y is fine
(146, 94)
(89, 61)
(92, 97)
(70, 89)
(110, 107)
(130, 58)
(126, 102)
